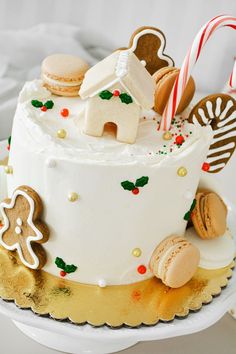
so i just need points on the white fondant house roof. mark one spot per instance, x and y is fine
(120, 67)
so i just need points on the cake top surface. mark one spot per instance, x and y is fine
(150, 147)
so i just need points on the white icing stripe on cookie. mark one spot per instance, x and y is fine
(218, 157)
(203, 116)
(218, 106)
(222, 148)
(216, 167)
(225, 111)
(225, 129)
(227, 120)
(209, 109)
(224, 137)
(195, 121)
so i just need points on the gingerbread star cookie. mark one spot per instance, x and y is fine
(22, 230)
(148, 44)
(219, 111)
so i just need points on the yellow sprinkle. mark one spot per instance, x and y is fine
(182, 171)
(72, 197)
(136, 252)
(61, 133)
(167, 136)
(8, 170)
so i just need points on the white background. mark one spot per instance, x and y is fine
(110, 24)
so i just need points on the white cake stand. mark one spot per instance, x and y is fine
(69, 338)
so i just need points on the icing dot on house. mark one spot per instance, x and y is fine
(18, 230)
(102, 283)
(19, 221)
(51, 163)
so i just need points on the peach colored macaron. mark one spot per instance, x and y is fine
(175, 261)
(209, 216)
(165, 78)
(63, 74)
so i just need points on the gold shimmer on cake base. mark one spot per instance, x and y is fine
(146, 302)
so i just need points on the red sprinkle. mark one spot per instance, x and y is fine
(116, 93)
(43, 108)
(179, 140)
(142, 269)
(64, 112)
(135, 191)
(205, 166)
(62, 273)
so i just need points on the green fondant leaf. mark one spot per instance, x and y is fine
(70, 268)
(9, 140)
(127, 185)
(37, 103)
(125, 98)
(140, 182)
(49, 104)
(60, 263)
(105, 95)
(187, 216)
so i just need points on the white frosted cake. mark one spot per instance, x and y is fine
(108, 232)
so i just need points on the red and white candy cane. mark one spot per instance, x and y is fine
(188, 64)
(232, 78)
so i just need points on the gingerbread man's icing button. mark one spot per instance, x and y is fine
(23, 231)
(148, 44)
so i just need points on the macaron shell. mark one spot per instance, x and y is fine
(63, 90)
(197, 217)
(161, 249)
(164, 83)
(63, 67)
(216, 253)
(182, 266)
(215, 212)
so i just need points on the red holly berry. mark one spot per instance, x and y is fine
(62, 273)
(64, 112)
(206, 166)
(142, 269)
(43, 108)
(179, 140)
(116, 93)
(8, 147)
(135, 191)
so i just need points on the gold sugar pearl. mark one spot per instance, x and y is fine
(136, 252)
(61, 133)
(182, 171)
(72, 197)
(8, 170)
(167, 136)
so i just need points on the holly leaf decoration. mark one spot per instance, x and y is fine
(187, 216)
(140, 182)
(37, 103)
(49, 104)
(106, 95)
(70, 268)
(9, 140)
(127, 185)
(125, 98)
(60, 263)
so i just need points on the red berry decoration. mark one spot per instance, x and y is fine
(179, 140)
(116, 93)
(206, 166)
(43, 108)
(135, 191)
(64, 112)
(62, 273)
(8, 147)
(142, 269)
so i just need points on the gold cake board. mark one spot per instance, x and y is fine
(145, 302)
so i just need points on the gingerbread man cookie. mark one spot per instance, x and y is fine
(22, 230)
(148, 44)
(219, 111)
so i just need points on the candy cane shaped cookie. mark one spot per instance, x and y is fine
(219, 111)
(191, 58)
